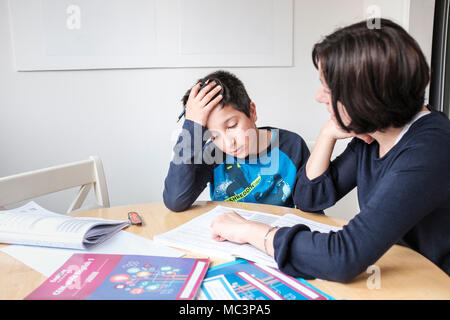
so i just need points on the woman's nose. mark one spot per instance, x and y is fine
(322, 96)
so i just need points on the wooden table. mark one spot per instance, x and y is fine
(405, 274)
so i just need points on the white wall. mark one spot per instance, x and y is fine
(127, 117)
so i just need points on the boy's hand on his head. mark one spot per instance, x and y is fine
(201, 102)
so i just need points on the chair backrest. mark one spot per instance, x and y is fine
(87, 174)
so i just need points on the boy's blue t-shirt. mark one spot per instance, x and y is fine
(266, 178)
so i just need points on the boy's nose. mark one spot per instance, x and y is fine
(230, 142)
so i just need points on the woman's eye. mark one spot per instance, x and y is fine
(232, 126)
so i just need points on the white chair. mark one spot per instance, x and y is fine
(87, 174)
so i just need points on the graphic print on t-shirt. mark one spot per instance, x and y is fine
(247, 181)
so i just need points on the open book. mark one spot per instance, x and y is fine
(195, 235)
(33, 225)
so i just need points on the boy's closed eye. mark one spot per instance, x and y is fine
(231, 123)
(228, 125)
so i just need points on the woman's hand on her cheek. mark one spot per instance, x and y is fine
(365, 137)
(336, 132)
(201, 102)
(229, 226)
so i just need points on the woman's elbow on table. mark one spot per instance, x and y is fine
(346, 273)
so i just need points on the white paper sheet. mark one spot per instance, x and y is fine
(47, 260)
(289, 220)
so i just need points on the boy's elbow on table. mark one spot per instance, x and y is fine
(174, 203)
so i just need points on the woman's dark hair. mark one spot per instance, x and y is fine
(379, 75)
(233, 91)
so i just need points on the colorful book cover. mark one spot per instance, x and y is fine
(123, 277)
(246, 280)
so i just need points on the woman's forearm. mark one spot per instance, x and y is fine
(261, 236)
(319, 160)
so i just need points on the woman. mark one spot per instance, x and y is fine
(373, 85)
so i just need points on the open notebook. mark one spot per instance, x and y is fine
(195, 235)
(33, 225)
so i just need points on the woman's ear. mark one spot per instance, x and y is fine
(253, 115)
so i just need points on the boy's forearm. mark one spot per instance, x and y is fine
(319, 160)
(180, 189)
(184, 182)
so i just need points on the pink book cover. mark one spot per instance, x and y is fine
(123, 277)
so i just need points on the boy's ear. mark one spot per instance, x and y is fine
(253, 115)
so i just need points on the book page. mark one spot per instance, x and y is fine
(195, 235)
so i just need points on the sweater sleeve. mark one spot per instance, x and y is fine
(399, 201)
(328, 188)
(188, 175)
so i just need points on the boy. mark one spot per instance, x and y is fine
(221, 145)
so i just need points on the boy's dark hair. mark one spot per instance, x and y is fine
(379, 75)
(233, 91)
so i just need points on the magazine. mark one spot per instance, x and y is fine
(123, 277)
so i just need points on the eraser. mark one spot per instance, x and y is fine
(134, 218)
